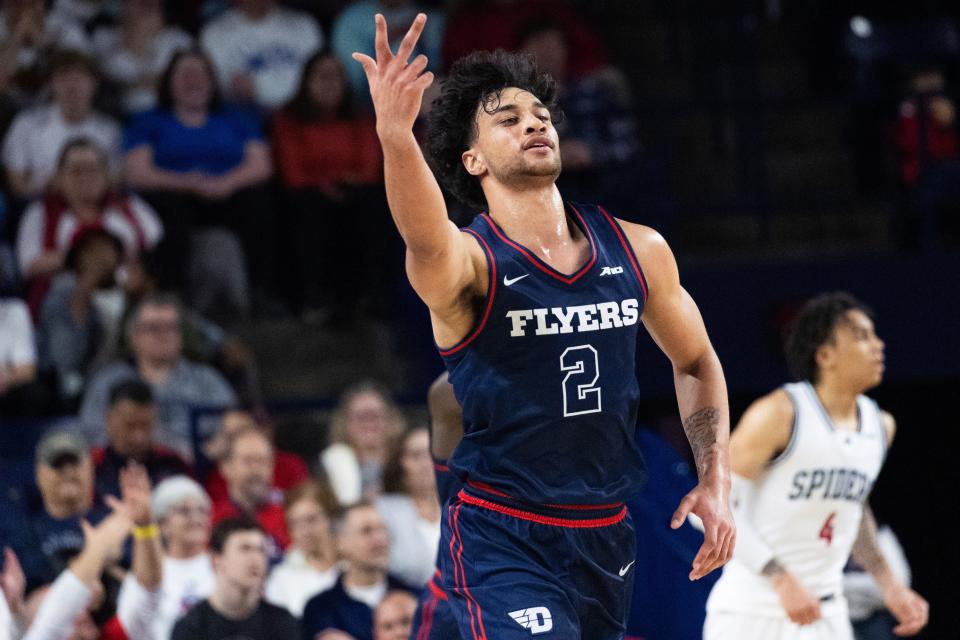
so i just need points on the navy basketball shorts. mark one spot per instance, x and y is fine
(434, 618)
(512, 571)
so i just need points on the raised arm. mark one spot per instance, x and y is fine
(441, 261)
(674, 322)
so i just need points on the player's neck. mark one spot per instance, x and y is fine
(839, 402)
(529, 212)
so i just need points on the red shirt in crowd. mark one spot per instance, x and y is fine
(270, 517)
(323, 154)
(289, 470)
(943, 143)
(486, 26)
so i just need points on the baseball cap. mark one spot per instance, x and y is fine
(58, 445)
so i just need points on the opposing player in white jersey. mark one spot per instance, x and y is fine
(804, 459)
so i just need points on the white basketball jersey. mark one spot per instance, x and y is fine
(808, 504)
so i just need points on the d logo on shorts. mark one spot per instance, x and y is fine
(536, 619)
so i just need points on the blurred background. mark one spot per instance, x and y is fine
(225, 152)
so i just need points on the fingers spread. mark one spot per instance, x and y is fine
(368, 64)
(410, 40)
(416, 67)
(381, 42)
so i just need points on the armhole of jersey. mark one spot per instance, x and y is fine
(488, 304)
(884, 440)
(794, 428)
(631, 255)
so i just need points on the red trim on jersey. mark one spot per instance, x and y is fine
(627, 249)
(435, 589)
(539, 264)
(569, 523)
(490, 293)
(441, 467)
(426, 619)
(482, 486)
(463, 578)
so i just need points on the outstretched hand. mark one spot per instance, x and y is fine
(710, 502)
(396, 86)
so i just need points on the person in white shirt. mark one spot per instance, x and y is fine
(309, 565)
(259, 49)
(804, 459)
(410, 507)
(37, 136)
(183, 510)
(134, 54)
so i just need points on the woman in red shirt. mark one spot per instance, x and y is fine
(331, 169)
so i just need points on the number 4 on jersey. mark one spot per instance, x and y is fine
(826, 531)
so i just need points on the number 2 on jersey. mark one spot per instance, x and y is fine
(580, 393)
(826, 531)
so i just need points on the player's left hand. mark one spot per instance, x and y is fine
(710, 501)
(908, 607)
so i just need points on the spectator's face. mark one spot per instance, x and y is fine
(130, 428)
(187, 524)
(516, 141)
(233, 422)
(243, 562)
(191, 84)
(309, 526)
(73, 89)
(82, 176)
(367, 421)
(249, 469)
(393, 619)
(67, 485)
(549, 48)
(133, 9)
(364, 540)
(156, 334)
(326, 83)
(254, 7)
(417, 463)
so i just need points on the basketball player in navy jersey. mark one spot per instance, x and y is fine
(536, 309)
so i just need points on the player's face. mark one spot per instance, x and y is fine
(856, 354)
(516, 141)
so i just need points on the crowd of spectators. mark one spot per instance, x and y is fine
(172, 169)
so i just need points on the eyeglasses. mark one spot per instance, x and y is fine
(187, 510)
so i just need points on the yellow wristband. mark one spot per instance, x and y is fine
(146, 532)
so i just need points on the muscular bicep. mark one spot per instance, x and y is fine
(762, 434)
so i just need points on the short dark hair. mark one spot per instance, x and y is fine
(133, 389)
(813, 327)
(227, 527)
(476, 81)
(165, 90)
(340, 517)
(68, 59)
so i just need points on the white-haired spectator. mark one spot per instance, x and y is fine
(133, 54)
(183, 510)
(37, 136)
(309, 565)
(179, 386)
(258, 49)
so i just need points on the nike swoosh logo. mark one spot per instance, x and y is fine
(509, 281)
(623, 570)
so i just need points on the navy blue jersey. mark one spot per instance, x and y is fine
(547, 377)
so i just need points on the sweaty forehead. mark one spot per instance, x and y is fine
(855, 319)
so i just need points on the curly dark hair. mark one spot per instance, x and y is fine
(814, 327)
(476, 81)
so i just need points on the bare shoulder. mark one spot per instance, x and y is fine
(769, 418)
(889, 426)
(644, 240)
(762, 434)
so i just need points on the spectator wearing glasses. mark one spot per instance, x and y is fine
(182, 510)
(180, 387)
